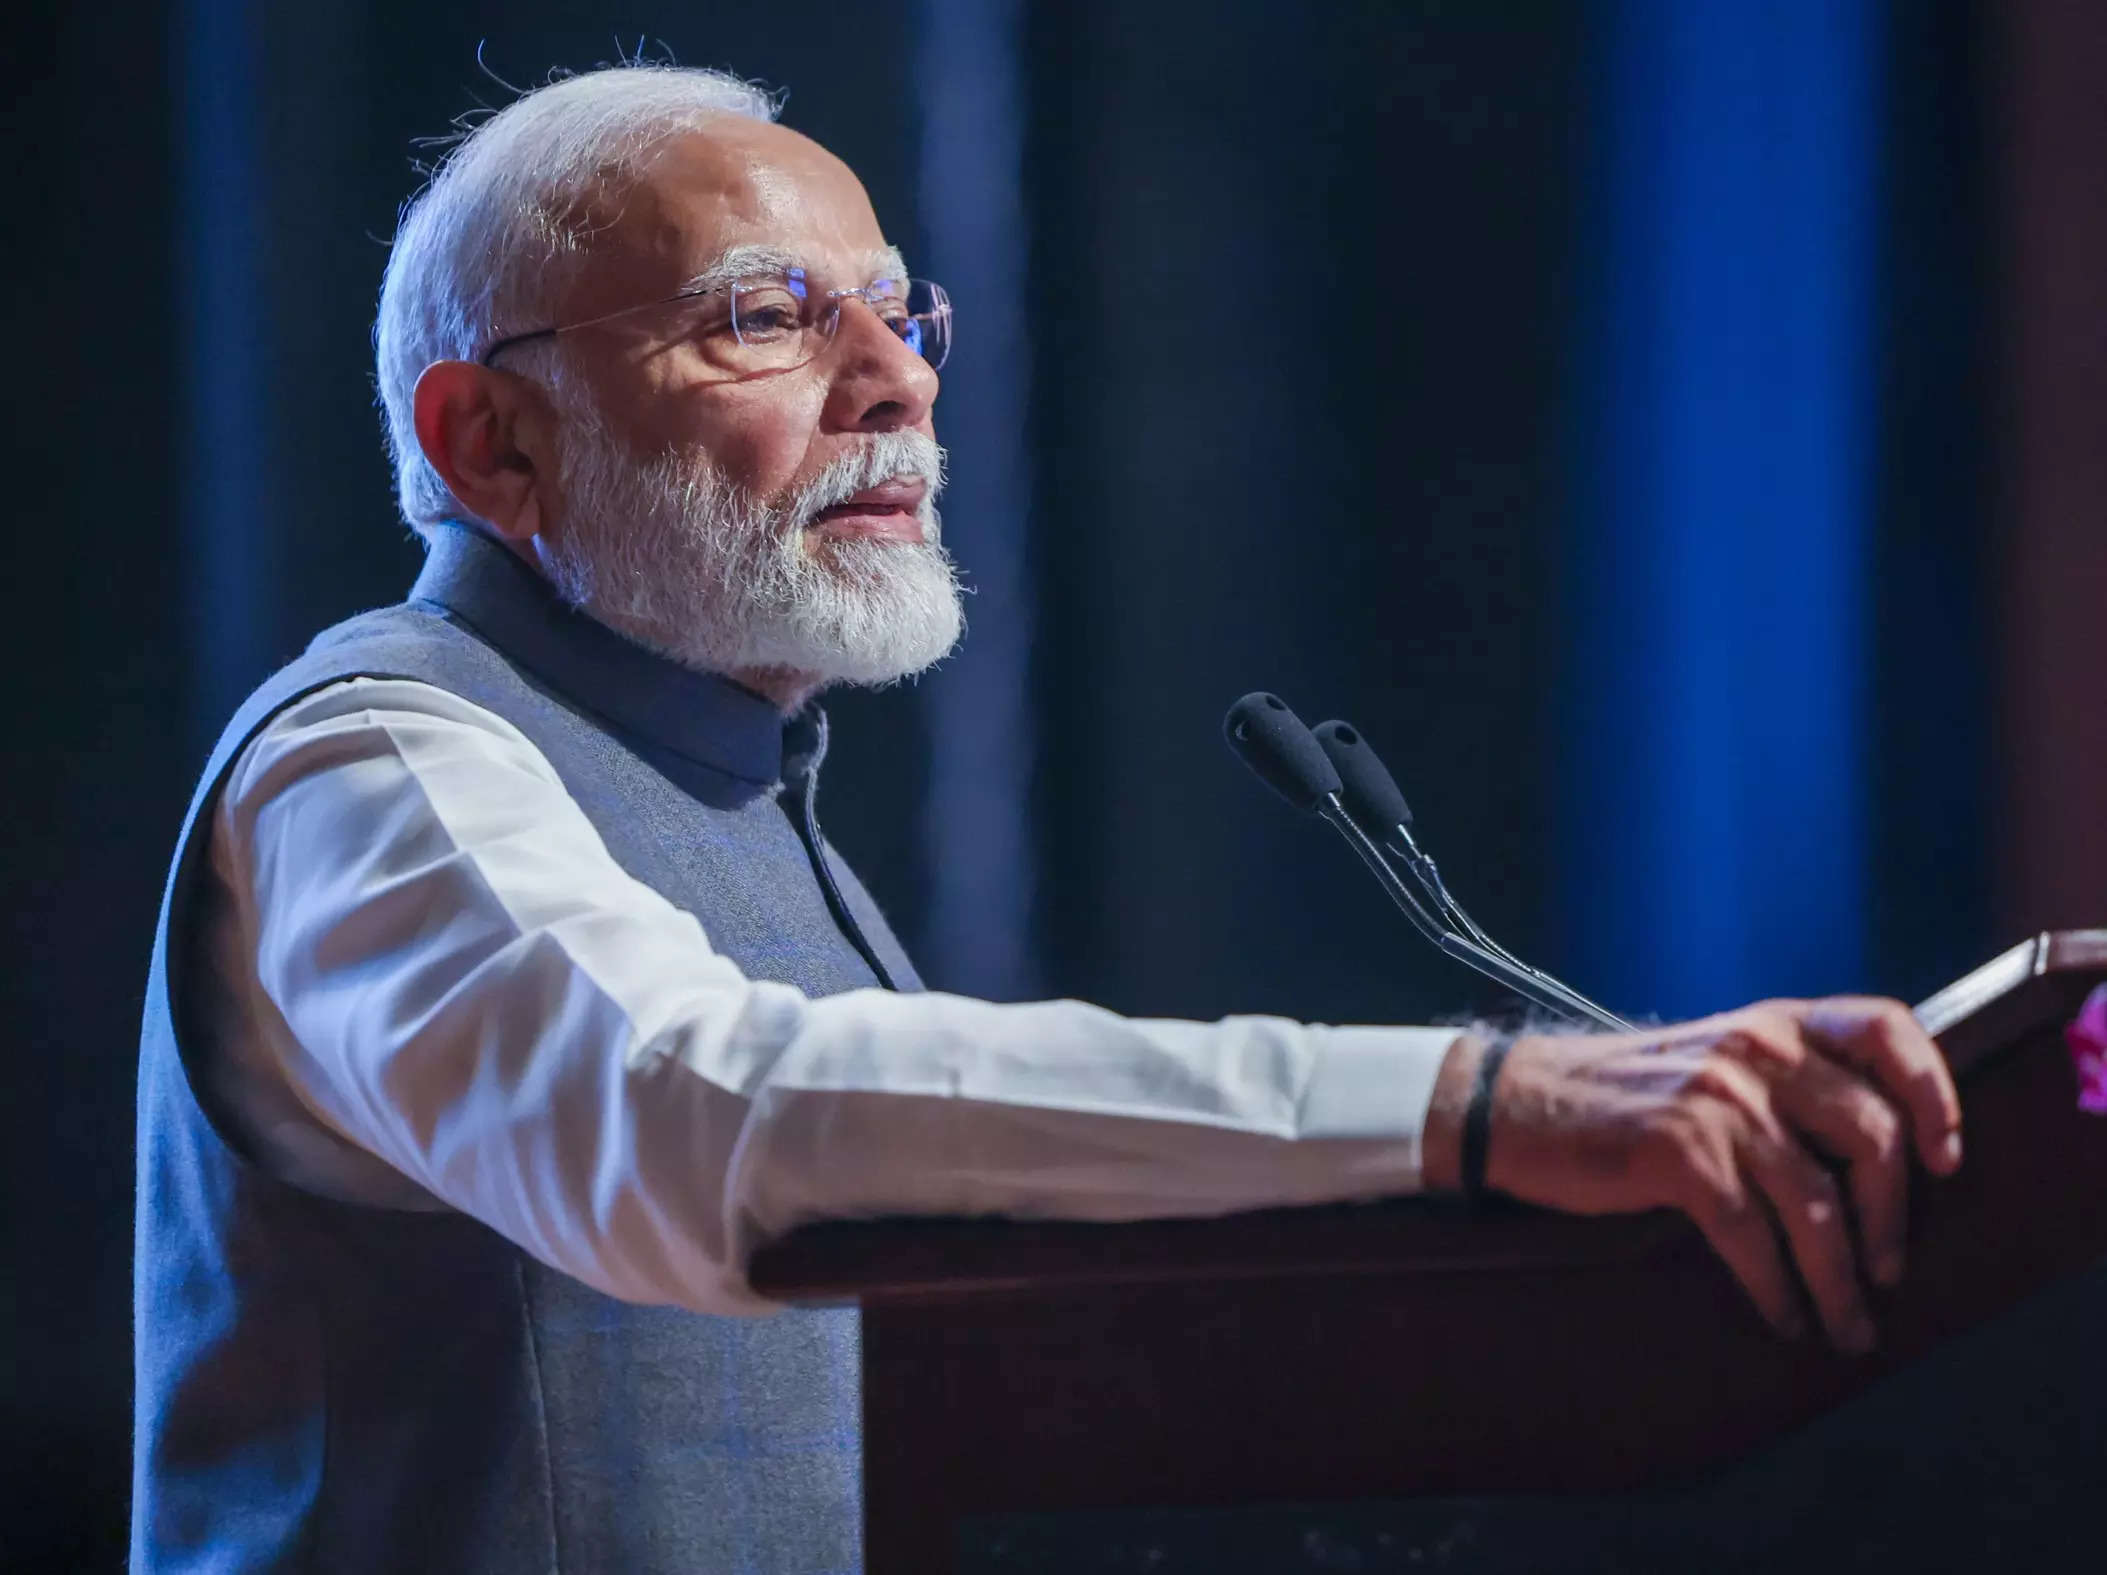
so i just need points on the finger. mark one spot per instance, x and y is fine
(1886, 1043)
(1746, 1240)
(1740, 1229)
(1810, 1211)
(1846, 1118)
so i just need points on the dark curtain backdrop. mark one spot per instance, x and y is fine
(1300, 292)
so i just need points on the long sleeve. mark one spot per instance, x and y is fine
(432, 986)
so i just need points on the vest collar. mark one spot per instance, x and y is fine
(701, 716)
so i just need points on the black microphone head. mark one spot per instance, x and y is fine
(1370, 792)
(1272, 741)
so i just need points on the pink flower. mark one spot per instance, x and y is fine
(2087, 1038)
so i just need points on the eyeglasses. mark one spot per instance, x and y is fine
(772, 322)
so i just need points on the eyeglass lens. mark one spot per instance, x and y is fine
(778, 321)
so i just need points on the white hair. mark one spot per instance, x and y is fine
(493, 237)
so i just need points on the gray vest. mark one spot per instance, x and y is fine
(325, 1387)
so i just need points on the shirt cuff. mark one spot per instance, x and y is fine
(1374, 1083)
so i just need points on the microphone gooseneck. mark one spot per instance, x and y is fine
(1372, 797)
(1335, 775)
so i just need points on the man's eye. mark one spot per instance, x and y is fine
(767, 317)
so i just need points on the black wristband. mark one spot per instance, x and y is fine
(1477, 1117)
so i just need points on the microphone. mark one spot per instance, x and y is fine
(1372, 796)
(1371, 791)
(1281, 751)
(1285, 755)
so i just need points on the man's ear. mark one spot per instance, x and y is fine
(490, 436)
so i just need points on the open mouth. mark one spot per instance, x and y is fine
(890, 511)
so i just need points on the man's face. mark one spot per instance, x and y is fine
(775, 526)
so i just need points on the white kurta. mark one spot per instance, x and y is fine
(425, 983)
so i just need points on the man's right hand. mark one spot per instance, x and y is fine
(1746, 1122)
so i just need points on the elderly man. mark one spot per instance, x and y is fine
(507, 993)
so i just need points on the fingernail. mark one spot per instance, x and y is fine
(1859, 1336)
(1950, 1150)
(1888, 1269)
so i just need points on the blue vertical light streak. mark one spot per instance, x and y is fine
(1716, 767)
(220, 315)
(977, 817)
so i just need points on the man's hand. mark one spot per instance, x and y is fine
(1781, 1128)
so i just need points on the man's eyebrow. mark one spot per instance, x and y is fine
(737, 263)
(743, 261)
(885, 263)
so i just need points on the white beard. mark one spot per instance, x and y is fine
(669, 552)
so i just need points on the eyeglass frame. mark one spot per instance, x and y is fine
(833, 297)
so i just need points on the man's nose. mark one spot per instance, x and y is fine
(880, 385)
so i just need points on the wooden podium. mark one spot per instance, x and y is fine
(1077, 1397)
